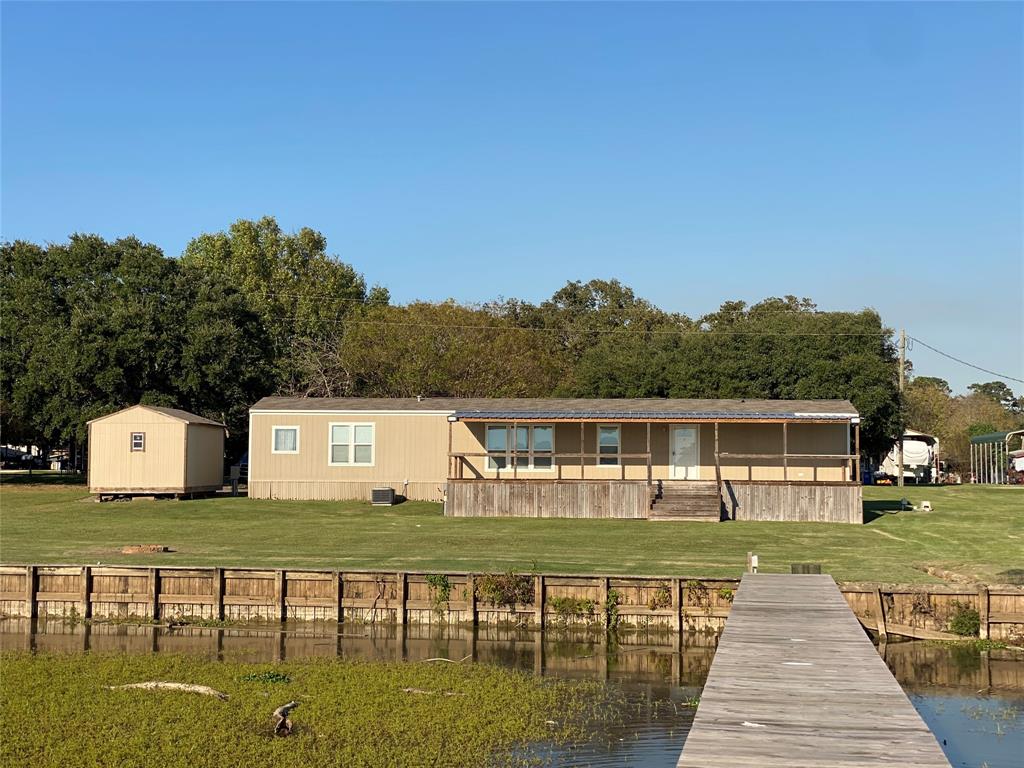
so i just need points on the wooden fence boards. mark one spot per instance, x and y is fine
(266, 595)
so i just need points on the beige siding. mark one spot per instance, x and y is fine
(205, 457)
(113, 466)
(410, 455)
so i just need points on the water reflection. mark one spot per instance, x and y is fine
(973, 700)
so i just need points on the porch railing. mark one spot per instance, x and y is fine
(459, 461)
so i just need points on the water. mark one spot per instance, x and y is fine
(973, 701)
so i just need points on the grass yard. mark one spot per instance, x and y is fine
(974, 531)
(350, 713)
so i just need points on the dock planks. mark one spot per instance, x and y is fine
(795, 682)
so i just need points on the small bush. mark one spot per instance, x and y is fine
(505, 589)
(660, 598)
(965, 621)
(568, 608)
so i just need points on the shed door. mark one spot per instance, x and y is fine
(685, 454)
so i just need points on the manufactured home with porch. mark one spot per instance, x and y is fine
(658, 459)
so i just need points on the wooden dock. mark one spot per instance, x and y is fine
(796, 682)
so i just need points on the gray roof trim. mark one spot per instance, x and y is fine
(646, 415)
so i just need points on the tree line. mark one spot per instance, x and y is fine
(932, 408)
(90, 326)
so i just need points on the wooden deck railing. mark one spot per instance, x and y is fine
(458, 461)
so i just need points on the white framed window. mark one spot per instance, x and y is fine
(540, 438)
(285, 440)
(609, 444)
(138, 441)
(350, 444)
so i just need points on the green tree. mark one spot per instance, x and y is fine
(294, 286)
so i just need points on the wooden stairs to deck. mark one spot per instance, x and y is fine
(686, 500)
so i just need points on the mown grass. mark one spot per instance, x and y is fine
(58, 712)
(975, 531)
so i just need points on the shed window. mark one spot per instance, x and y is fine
(609, 444)
(138, 441)
(286, 440)
(350, 445)
(538, 437)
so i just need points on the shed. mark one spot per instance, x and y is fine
(147, 449)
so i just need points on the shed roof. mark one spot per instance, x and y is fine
(621, 409)
(174, 413)
(995, 437)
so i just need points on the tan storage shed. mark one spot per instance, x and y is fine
(147, 449)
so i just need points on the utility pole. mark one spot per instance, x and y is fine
(903, 383)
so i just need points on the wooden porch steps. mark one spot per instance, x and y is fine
(695, 500)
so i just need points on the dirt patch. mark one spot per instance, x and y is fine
(144, 549)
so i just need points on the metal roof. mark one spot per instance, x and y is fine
(995, 437)
(618, 409)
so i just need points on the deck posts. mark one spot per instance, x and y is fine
(154, 594)
(450, 468)
(856, 449)
(983, 611)
(880, 618)
(718, 465)
(581, 451)
(85, 589)
(538, 599)
(279, 595)
(785, 450)
(400, 598)
(514, 442)
(218, 594)
(650, 475)
(30, 591)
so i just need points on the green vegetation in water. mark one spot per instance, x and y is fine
(964, 621)
(974, 644)
(350, 713)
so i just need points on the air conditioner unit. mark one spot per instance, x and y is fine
(382, 497)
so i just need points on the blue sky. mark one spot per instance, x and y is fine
(859, 154)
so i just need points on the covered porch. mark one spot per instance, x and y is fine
(664, 464)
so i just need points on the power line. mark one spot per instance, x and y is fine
(964, 362)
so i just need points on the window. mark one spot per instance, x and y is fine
(540, 438)
(286, 440)
(350, 445)
(609, 444)
(138, 441)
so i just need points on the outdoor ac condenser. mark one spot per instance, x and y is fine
(382, 497)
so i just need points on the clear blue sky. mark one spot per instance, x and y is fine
(858, 154)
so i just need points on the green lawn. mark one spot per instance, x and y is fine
(974, 531)
(350, 713)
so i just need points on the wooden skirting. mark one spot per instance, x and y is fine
(670, 603)
(333, 490)
(793, 501)
(577, 499)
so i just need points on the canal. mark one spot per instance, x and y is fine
(971, 696)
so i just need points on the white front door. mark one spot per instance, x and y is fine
(684, 447)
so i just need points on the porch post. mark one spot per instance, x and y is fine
(581, 450)
(718, 465)
(856, 449)
(649, 473)
(450, 459)
(514, 442)
(785, 450)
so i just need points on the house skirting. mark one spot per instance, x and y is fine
(332, 490)
(548, 498)
(793, 501)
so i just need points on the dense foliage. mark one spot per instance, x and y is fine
(932, 408)
(89, 326)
